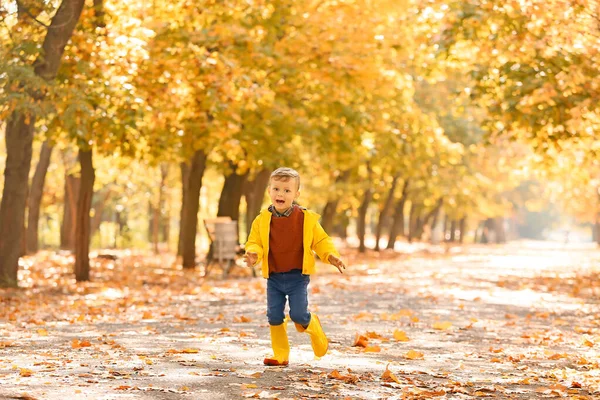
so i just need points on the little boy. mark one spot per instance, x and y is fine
(283, 237)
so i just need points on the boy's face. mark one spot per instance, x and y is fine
(283, 192)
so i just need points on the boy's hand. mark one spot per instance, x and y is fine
(336, 262)
(250, 259)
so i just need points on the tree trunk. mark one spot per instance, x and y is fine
(362, 212)
(83, 220)
(98, 206)
(597, 225)
(67, 228)
(35, 197)
(19, 139)
(185, 180)
(499, 229)
(462, 226)
(385, 211)
(231, 195)
(328, 214)
(163, 201)
(434, 239)
(189, 221)
(155, 216)
(254, 192)
(398, 223)
(445, 227)
(413, 221)
(156, 213)
(423, 221)
(452, 231)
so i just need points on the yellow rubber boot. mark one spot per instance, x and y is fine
(318, 340)
(280, 345)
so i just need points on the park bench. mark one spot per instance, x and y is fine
(224, 247)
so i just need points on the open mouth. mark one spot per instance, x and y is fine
(280, 202)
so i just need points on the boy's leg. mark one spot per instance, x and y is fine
(276, 317)
(304, 320)
(298, 295)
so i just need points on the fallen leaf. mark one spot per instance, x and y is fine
(249, 386)
(442, 326)
(360, 341)
(414, 355)
(388, 376)
(77, 344)
(400, 336)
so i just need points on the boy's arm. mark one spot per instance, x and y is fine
(254, 244)
(323, 245)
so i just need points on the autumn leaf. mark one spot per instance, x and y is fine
(25, 372)
(372, 349)
(442, 326)
(400, 336)
(242, 319)
(588, 343)
(76, 344)
(249, 386)
(364, 316)
(360, 341)
(350, 378)
(190, 351)
(388, 376)
(414, 355)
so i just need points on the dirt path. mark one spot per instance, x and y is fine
(517, 321)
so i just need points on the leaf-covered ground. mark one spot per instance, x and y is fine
(517, 321)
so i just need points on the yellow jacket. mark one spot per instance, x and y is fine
(315, 239)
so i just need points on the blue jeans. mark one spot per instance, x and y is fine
(294, 285)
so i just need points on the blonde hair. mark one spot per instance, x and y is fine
(285, 174)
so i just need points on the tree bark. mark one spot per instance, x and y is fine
(155, 223)
(499, 230)
(67, 228)
(398, 223)
(156, 213)
(413, 221)
(163, 204)
(385, 211)
(423, 221)
(231, 195)
(83, 220)
(435, 215)
(328, 214)
(597, 225)
(35, 197)
(98, 206)
(452, 231)
(19, 139)
(189, 222)
(254, 192)
(462, 226)
(185, 180)
(362, 212)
